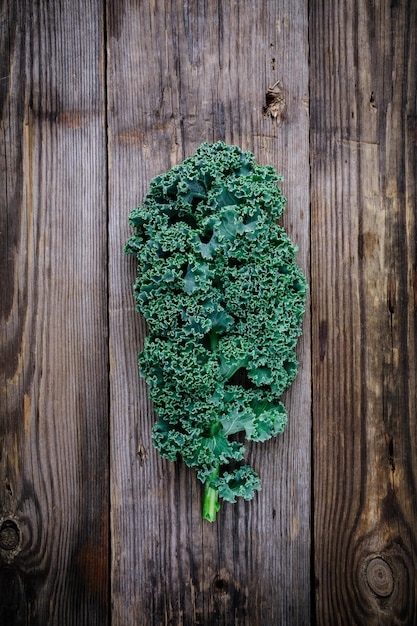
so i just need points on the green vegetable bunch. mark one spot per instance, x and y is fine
(223, 300)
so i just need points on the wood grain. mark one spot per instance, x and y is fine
(96, 98)
(363, 189)
(180, 73)
(54, 382)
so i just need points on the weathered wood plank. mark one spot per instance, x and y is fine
(180, 73)
(363, 155)
(54, 383)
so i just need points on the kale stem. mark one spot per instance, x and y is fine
(211, 503)
(214, 340)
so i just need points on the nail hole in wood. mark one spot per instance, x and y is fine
(372, 100)
(220, 585)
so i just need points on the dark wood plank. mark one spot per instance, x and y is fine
(363, 156)
(180, 73)
(53, 328)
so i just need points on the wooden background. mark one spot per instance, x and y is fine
(96, 98)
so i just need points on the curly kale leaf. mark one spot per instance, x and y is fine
(223, 299)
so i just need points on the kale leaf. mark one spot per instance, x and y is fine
(223, 299)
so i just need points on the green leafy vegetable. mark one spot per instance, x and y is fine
(223, 300)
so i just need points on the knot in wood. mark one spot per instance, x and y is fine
(9, 535)
(380, 577)
(275, 102)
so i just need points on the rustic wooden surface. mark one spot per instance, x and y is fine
(54, 468)
(364, 302)
(178, 74)
(96, 98)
